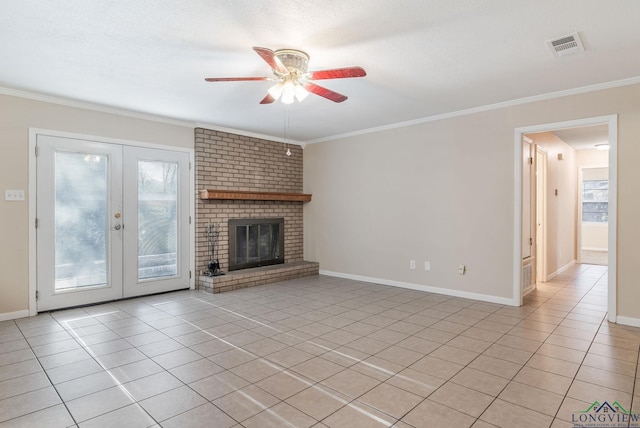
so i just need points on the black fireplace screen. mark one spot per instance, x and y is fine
(255, 242)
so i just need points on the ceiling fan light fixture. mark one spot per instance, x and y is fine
(275, 91)
(301, 92)
(288, 92)
(289, 67)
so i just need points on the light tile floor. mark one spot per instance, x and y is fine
(321, 352)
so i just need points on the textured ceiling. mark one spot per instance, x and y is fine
(423, 58)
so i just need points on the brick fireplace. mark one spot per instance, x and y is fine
(231, 162)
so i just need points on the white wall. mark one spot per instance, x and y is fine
(435, 192)
(595, 236)
(443, 191)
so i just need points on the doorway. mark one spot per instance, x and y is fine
(611, 123)
(593, 213)
(534, 214)
(112, 221)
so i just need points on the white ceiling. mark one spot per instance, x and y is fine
(423, 58)
(585, 137)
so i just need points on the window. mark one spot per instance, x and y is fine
(595, 201)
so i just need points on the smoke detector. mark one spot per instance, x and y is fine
(566, 45)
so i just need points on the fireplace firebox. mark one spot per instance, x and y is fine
(255, 242)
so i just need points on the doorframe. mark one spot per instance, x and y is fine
(33, 136)
(579, 217)
(612, 122)
(541, 189)
(532, 260)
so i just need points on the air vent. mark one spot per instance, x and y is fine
(566, 45)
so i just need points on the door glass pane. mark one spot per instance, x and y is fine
(157, 219)
(241, 244)
(268, 241)
(81, 195)
(264, 239)
(252, 249)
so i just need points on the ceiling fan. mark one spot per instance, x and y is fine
(289, 67)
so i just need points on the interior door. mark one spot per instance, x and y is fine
(113, 221)
(541, 215)
(79, 237)
(156, 220)
(527, 199)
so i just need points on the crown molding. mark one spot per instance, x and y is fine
(68, 102)
(177, 122)
(249, 134)
(488, 107)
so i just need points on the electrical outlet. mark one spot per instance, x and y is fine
(462, 269)
(14, 195)
(427, 265)
(412, 264)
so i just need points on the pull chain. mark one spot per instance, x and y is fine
(286, 128)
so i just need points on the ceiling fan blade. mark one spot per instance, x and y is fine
(235, 79)
(324, 92)
(270, 58)
(337, 73)
(267, 100)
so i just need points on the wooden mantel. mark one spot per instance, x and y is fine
(239, 195)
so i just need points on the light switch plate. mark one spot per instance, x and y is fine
(14, 195)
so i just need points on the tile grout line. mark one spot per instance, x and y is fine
(317, 383)
(399, 300)
(310, 382)
(438, 347)
(136, 402)
(535, 352)
(64, 403)
(467, 366)
(604, 319)
(96, 358)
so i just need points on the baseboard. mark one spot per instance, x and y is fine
(426, 288)
(561, 270)
(632, 322)
(604, 250)
(14, 315)
(528, 290)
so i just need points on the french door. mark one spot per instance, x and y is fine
(112, 221)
